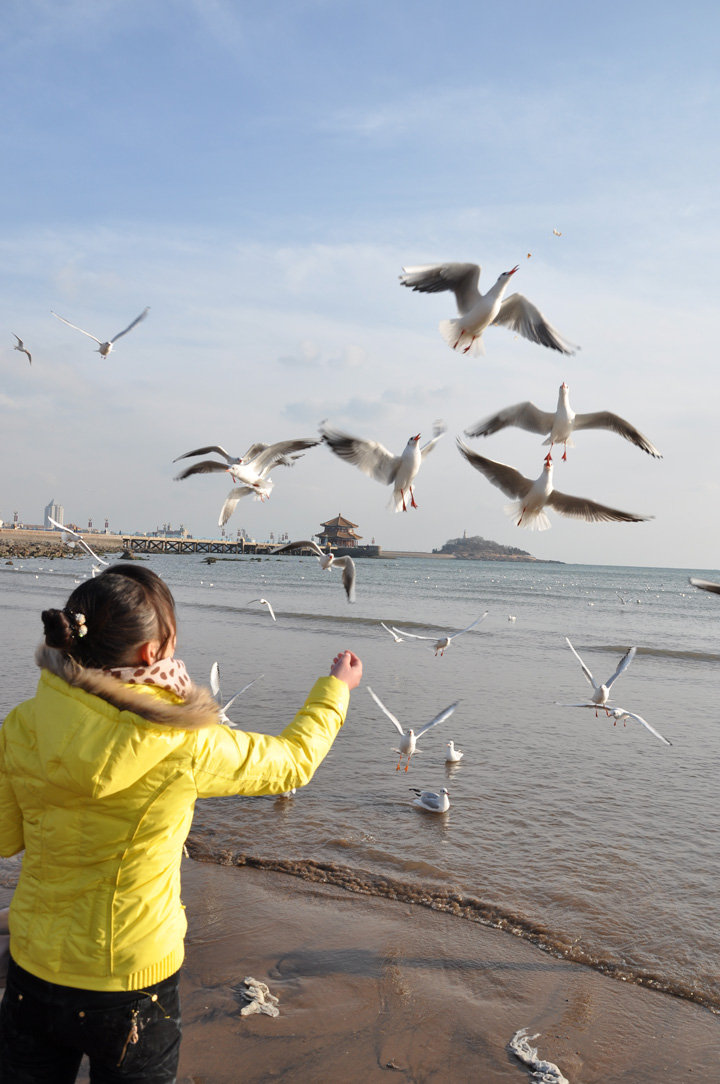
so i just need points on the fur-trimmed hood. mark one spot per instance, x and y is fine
(156, 705)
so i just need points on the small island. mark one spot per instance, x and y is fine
(482, 549)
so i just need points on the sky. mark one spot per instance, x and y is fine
(258, 175)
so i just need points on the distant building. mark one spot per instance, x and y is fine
(338, 532)
(56, 511)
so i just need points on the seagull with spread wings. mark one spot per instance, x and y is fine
(21, 346)
(104, 348)
(479, 311)
(534, 496)
(79, 537)
(441, 643)
(326, 561)
(409, 738)
(375, 460)
(251, 470)
(215, 688)
(561, 425)
(601, 692)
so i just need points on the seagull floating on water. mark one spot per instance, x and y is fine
(21, 347)
(251, 469)
(601, 693)
(264, 602)
(560, 425)
(534, 496)
(453, 755)
(375, 460)
(408, 738)
(105, 348)
(215, 687)
(432, 800)
(81, 540)
(328, 560)
(478, 311)
(442, 643)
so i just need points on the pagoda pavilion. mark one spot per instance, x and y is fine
(338, 533)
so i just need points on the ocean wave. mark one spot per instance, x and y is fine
(663, 653)
(461, 905)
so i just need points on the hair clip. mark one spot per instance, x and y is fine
(80, 625)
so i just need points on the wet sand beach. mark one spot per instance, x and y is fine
(372, 990)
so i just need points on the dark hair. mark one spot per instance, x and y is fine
(123, 608)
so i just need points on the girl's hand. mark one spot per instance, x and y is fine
(348, 668)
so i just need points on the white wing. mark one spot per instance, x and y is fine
(412, 635)
(645, 723)
(461, 278)
(99, 341)
(396, 638)
(231, 503)
(475, 622)
(371, 457)
(520, 315)
(206, 450)
(438, 429)
(306, 544)
(622, 665)
(137, 320)
(389, 714)
(705, 585)
(585, 669)
(234, 697)
(444, 714)
(347, 565)
(215, 681)
(522, 415)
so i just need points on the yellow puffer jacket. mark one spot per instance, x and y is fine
(98, 787)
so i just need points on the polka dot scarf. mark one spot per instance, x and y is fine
(169, 674)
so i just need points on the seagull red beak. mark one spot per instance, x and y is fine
(514, 269)
(416, 438)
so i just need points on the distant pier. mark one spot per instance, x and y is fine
(143, 544)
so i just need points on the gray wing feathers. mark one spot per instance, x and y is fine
(523, 415)
(136, 321)
(510, 481)
(369, 456)
(520, 315)
(622, 665)
(582, 508)
(461, 278)
(604, 419)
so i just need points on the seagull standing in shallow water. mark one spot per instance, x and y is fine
(105, 348)
(408, 738)
(374, 459)
(478, 311)
(560, 425)
(534, 496)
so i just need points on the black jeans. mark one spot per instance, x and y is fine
(128, 1036)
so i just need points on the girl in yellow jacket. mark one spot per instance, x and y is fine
(99, 774)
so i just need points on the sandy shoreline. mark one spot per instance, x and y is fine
(370, 989)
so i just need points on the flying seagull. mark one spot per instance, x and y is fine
(601, 693)
(215, 687)
(534, 496)
(21, 346)
(251, 470)
(396, 638)
(433, 801)
(374, 459)
(327, 560)
(408, 738)
(81, 540)
(105, 348)
(442, 643)
(560, 425)
(478, 311)
(264, 602)
(620, 715)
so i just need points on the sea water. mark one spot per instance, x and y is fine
(593, 840)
